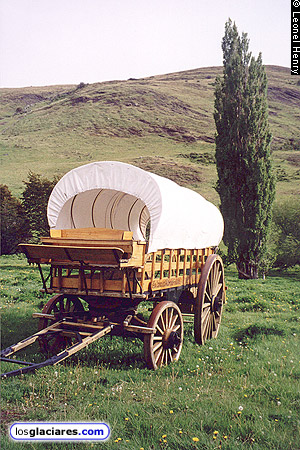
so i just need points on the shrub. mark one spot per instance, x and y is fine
(14, 223)
(286, 217)
(35, 199)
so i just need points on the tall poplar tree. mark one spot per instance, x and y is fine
(245, 180)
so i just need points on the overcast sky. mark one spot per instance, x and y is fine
(46, 42)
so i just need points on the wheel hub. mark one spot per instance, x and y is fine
(171, 339)
(216, 305)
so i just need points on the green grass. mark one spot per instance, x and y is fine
(240, 391)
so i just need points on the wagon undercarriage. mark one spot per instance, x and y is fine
(71, 331)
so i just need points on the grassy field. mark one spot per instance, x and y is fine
(240, 391)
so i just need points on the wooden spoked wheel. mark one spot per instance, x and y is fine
(60, 306)
(209, 300)
(165, 345)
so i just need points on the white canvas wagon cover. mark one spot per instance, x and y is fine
(116, 195)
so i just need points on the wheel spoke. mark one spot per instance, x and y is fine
(216, 283)
(170, 318)
(166, 356)
(205, 314)
(157, 346)
(204, 330)
(162, 322)
(159, 329)
(166, 318)
(211, 277)
(217, 290)
(219, 274)
(209, 299)
(207, 329)
(206, 326)
(157, 338)
(208, 286)
(157, 357)
(176, 328)
(170, 355)
(174, 320)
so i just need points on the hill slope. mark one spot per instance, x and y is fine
(162, 123)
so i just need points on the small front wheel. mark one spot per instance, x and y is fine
(164, 347)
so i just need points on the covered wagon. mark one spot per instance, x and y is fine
(118, 236)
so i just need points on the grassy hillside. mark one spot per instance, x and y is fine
(166, 119)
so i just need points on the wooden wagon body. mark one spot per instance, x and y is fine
(113, 270)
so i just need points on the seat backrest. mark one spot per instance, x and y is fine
(103, 234)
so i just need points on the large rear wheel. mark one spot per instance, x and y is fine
(209, 300)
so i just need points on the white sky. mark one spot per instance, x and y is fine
(47, 42)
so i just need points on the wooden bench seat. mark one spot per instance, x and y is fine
(55, 254)
(99, 247)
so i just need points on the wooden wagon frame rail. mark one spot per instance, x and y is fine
(103, 270)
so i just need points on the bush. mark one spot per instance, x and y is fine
(35, 200)
(286, 217)
(14, 223)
